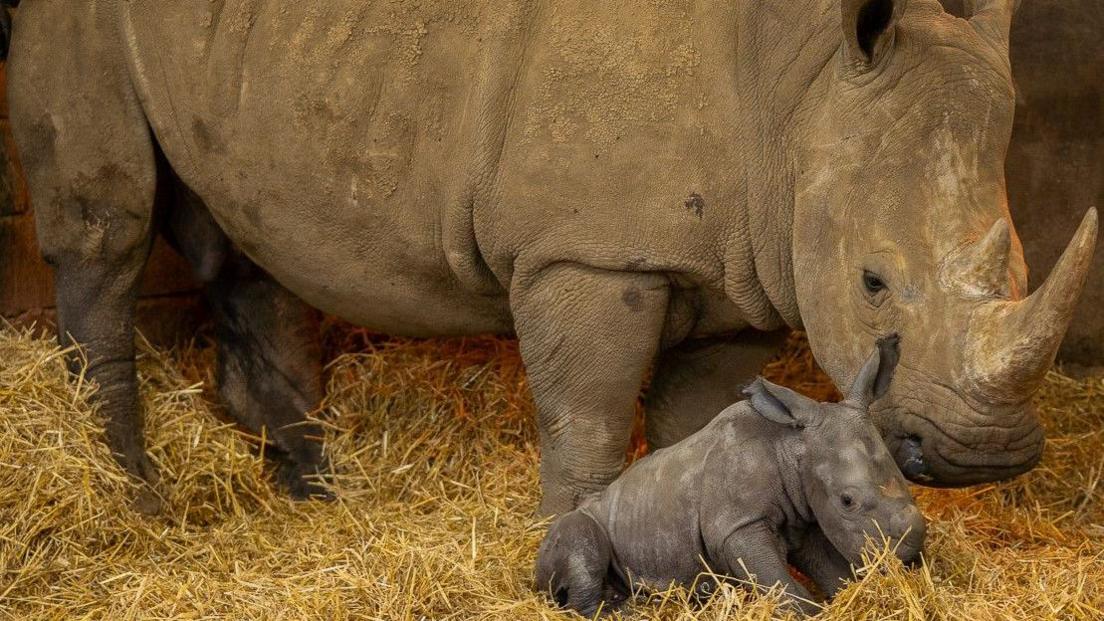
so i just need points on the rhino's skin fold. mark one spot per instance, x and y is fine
(623, 185)
(773, 480)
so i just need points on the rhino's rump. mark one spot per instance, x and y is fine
(651, 514)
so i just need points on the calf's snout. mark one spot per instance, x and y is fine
(908, 530)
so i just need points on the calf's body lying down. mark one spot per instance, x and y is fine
(773, 480)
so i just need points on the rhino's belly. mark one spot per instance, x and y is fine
(380, 267)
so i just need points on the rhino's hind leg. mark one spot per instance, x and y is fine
(587, 337)
(573, 564)
(92, 175)
(269, 351)
(697, 379)
(270, 370)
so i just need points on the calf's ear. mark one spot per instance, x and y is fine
(868, 30)
(875, 376)
(781, 405)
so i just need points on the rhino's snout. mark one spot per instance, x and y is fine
(909, 531)
(951, 444)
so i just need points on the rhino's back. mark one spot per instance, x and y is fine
(417, 154)
(343, 139)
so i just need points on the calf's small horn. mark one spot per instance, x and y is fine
(1013, 344)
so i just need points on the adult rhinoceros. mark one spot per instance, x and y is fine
(622, 184)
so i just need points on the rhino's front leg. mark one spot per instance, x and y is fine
(697, 379)
(753, 554)
(587, 337)
(820, 560)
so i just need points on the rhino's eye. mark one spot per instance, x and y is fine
(847, 501)
(873, 283)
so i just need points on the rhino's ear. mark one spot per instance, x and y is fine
(868, 30)
(781, 405)
(875, 376)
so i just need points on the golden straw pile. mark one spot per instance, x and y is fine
(435, 446)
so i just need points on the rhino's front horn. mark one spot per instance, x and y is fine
(1013, 344)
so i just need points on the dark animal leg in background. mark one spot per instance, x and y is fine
(270, 369)
(697, 379)
(269, 351)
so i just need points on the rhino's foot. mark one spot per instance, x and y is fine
(303, 481)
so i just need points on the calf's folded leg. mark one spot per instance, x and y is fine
(754, 555)
(820, 560)
(573, 563)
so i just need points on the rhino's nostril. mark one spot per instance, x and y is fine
(910, 457)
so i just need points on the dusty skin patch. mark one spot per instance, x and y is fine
(436, 448)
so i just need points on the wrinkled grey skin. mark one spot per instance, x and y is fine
(773, 480)
(623, 185)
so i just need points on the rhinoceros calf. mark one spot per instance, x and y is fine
(778, 478)
(624, 185)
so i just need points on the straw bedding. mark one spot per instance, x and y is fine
(436, 451)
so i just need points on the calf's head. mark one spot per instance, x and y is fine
(902, 226)
(851, 482)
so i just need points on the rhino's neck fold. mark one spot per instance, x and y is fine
(782, 79)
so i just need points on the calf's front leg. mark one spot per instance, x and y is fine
(754, 555)
(587, 337)
(821, 561)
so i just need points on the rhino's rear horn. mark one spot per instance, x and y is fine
(982, 269)
(1013, 344)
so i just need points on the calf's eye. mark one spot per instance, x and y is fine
(847, 501)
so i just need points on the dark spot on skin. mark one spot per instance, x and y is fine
(695, 203)
(206, 138)
(633, 299)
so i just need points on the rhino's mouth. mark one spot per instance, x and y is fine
(957, 455)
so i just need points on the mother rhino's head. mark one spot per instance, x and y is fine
(902, 226)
